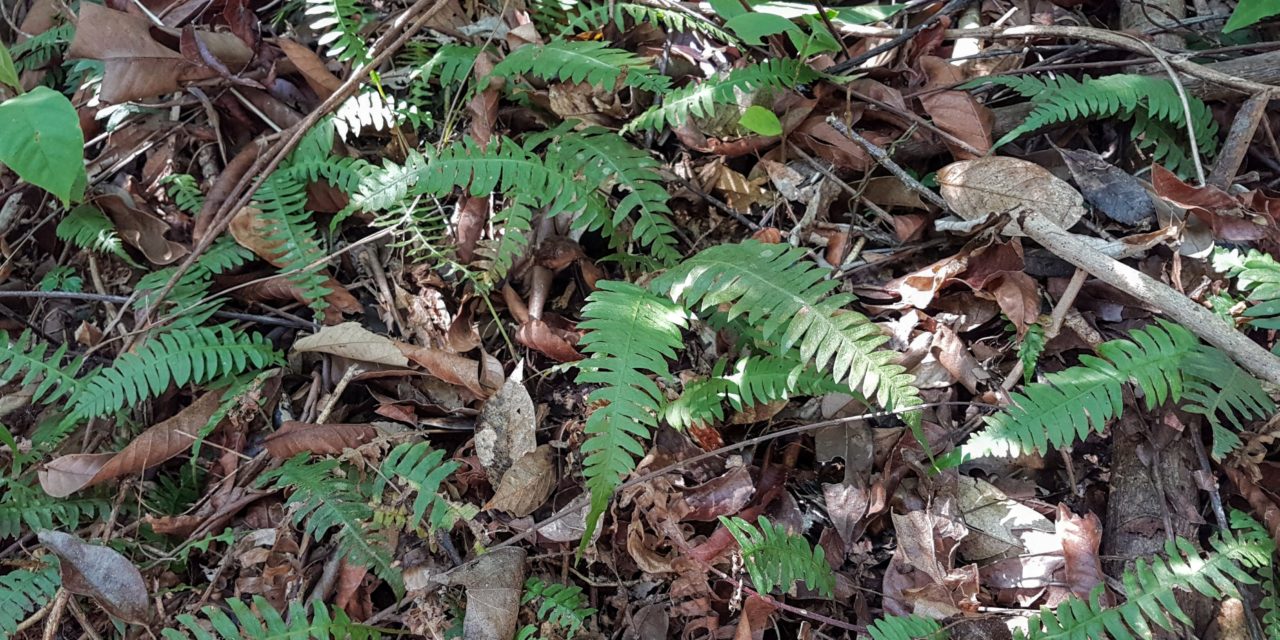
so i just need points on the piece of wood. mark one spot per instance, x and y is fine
(1199, 320)
(1238, 140)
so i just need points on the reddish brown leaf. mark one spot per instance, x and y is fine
(1080, 537)
(527, 484)
(559, 344)
(140, 229)
(454, 369)
(956, 112)
(68, 474)
(1018, 295)
(321, 439)
(311, 67)
(723, 495)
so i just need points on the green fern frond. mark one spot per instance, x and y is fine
(1072, 402)
(32, 360)
(184, 192)
(35, 52)
(631, 334)
(787, 298)
(775, 558)
(281, 201)
(224, 255)
(563, 606)
(1029, 349)
(88, 228)
(371, 110)
(24, 508)
(1269, 580)
(193, 355)
(495, 257)
(1257, 274)
(577, 61)
(450, 66)
(62, 278)
(700, 99)
(338, 22)
(906, 628)
(24, 590)
(422, 469)
(263, 622)
(599, 16)
(1217, 388)
(1152, 103)
(754, 381)
(1149, 590)
(606, 160)
(327, 500)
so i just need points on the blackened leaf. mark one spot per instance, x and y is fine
(1115, 193)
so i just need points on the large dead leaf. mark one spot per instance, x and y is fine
(1080, 537)
(507, 427)
(352, 341)
(978, 189)
(481, 378)
(311, 66)
(494, 583)
(139, 228)
(999, 525)
(70, 473)
(100, 573)
(1115, 193)
(955, 112)
(137, 66)
(295, 437)
(527, 484)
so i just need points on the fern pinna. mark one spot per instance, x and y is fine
(775, 557)
(421, 469)
(563, 606)
(1149, 592)
(582, 61)
(700, 99)
(1257, 274)
(22, 591)
(1165, 360)
(1159, 121)
(631, 334)
(754, 380)
(775, 290)
(263, 622)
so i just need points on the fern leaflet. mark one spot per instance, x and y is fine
(906, 628)
(599, 16)
(263, 622)
(786, 297)
(88, 228)
(1149, 589)
(338, 23)
(327, 500)
(699, 100)
(38, 367)
(184, 192)
(22, 591)
(605, 160)
(630, 335)
(754, 381)
(1216, 387)
(775, 558)
(422, 469)
(1153, 104)
(582, 61)
(563, 606)
(1258, 274)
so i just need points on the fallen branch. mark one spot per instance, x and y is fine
(1249, 354)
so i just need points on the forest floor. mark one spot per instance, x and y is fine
(639, 319)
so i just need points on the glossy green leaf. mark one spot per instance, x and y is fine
(42, 142)
(754, 27)
(8, 73)
(760, 120)
(1251, 12)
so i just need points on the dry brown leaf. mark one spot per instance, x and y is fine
(494, 582)
(507, 427)
(556, 342)
(527, 484)
(102, 574)
(251, 232)
(136, 65)
(352, 341)
(997, 185)
(1081, 537)
(68, 474)
(311, 66)
(139, 228)
(480, 380)
(999, 525)
(723, 495)
(955, 112)
(278, 288)
(296, 437)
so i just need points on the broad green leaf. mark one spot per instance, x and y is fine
(43, 143)
(753, 27)
(728, 9)
(758, 119)
(1251, 12)
(866, 14)
(8, 73)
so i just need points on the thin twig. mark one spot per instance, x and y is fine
(901, 36)
(107, 298)
(882, 157)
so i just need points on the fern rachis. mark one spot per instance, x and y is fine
(776, 558)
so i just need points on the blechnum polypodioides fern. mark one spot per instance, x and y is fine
(1153, 104)
(771, 291)
(1164, 360)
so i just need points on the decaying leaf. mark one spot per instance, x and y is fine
(998, 185)
(526, 485)
(101, 573)
(352, 341)
(507, 427)
(295, 437)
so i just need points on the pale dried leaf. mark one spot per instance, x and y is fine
(527, 484)
(352, 341)
(100, 573)
(998, 185)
